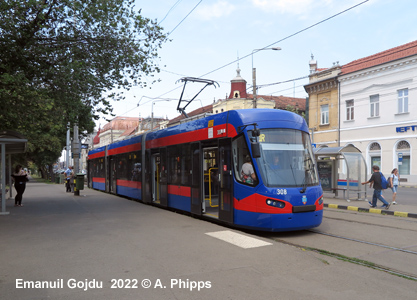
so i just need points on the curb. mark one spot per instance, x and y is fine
(373, 210)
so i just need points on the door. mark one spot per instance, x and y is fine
(226, 181)
(146, 177)
(112, 176)
(163, 177)
(156, 178)
(196, 181)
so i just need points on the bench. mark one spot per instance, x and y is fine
(335, 190)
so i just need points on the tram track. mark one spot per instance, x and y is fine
(369, 223)
(363, 242)
(353, 260)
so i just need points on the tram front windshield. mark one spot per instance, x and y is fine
(286, 158)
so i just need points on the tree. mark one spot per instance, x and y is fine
(60, 60)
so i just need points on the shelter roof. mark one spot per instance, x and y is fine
(333, 151)
(14, 141)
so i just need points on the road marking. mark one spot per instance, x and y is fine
(238, 239)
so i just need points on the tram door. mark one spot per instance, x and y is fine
(156, 178)
(226, 181)
(211, 180)
(163, 177)
(112, 176)
(147, 178)
(196, 181)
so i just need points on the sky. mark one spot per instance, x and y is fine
(208, 36)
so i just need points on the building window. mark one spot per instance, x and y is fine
(375, 147)
(375, 154)
(403, 152)
(374, 106)
(324, 114)
(350, 110)
(402, 101)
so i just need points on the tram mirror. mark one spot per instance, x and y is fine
(256, 149)
(256, 132)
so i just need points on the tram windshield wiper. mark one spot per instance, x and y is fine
(307, 173)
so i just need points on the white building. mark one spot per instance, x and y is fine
(378, 109)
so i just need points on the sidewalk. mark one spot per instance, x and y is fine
(400, 210)
(100, 246)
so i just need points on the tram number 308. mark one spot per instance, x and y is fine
(281, 191)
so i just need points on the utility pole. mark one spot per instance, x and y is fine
(76, 149)
(254, 86)
(68, 145)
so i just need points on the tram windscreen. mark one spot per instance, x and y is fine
(287, 158)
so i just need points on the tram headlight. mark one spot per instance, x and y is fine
(275, 203)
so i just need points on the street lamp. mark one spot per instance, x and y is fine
(254, 73)
(153, 100)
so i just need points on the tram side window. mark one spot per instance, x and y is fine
(179, 160)
(135, 166)
(241, 156)
(186, 164)
(100, 168)
(122, 166)
(174, 165)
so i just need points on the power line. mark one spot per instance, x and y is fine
(283, 39)
(184, 18)
(172, 7)
(289, 36)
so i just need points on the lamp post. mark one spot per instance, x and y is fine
(254, 73)
(153, 100)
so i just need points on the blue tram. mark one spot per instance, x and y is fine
(196, 167)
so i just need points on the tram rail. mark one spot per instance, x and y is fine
(353, 260)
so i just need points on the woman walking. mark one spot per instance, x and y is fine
(395, 180)
(20, 177)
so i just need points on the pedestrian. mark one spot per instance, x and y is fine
(69, 175)
(395, 180)
(375, 182)
(20, 178)
(247, 172)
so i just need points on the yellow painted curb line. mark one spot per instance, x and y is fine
(401, 214)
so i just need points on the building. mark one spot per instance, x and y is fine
(378, 109)
(115, 129)
(369, 103)
(240, 99)
(323, 104)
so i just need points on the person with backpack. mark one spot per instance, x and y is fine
(376, 182)
(395, 180)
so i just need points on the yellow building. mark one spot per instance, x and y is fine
(323, 105)
(239, 99)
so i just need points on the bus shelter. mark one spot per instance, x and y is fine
(342, 169)
(11, 142)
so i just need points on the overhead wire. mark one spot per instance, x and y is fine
(274, 43)
(172, 7)
(184, 18)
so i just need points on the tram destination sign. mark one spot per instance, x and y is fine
(407, 128)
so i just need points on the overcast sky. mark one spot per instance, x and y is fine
(216, 32)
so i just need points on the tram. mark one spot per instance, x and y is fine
(196, 167)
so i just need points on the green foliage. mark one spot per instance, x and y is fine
(59, 60)
(295, 110)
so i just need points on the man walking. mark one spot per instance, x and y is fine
(375, 182)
